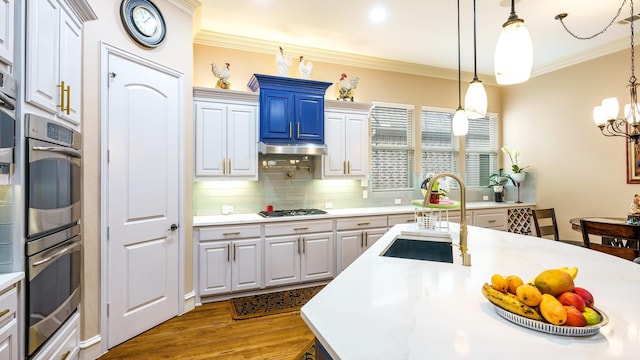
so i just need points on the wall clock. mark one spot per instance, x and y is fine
(143, 21)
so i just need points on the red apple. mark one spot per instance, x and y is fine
(574, 317)
(586, 296)
(569, 298)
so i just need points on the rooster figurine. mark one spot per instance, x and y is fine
(222, 75)
(346, 87)
(283, 61)
(305, 69)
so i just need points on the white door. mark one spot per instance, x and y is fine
(282, 260)
(317, 260)
(356, 147)
(143, 185)
(247, 264)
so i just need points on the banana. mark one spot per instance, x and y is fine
(573, 271)
(509, 303)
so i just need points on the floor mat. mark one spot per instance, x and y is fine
(273, 303)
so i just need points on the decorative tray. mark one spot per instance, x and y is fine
(553, 329)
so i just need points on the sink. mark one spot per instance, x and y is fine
(420, 249)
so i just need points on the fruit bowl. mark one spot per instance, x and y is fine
(553, 329)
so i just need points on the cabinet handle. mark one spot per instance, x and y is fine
(491, 221)
(366, 239)
(235, 251)
(68, 99)
(298, 136)
(411, 220)
(301, 228)
(231, 233)
(304, 245)
(290, 130)
(362, 240)
(364, 223)
(224, 166)
(229, 166)
(228, 253)
(344, 167)
(64, 90)
(349, 167)
(299, 246)
(66, 355)
(4, 312)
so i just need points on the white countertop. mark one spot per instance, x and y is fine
(389, 308)
(9, 279)
(232, 219)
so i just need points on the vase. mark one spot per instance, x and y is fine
(498, 193)
(518, 178)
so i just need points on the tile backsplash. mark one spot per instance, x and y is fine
(291, 182)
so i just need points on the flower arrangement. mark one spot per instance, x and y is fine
(513, 156)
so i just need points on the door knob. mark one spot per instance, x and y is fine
(173, 227)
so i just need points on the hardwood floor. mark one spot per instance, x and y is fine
(209, 332)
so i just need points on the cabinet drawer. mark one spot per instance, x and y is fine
(229, 232)
(8, 305)
(401, 219)
(362, 222)
(496, 220)
(298, 227)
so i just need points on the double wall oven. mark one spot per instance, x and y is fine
(53, 238)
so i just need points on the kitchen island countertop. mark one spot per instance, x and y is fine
(392, 308)
(239, 218)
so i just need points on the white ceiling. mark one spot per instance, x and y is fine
(423, 32)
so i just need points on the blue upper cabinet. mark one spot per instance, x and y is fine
(291, 110)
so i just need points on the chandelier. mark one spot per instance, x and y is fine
(460, 121)
(605, 115)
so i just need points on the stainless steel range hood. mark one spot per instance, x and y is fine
(292, 149)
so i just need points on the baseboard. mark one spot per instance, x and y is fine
(91, 348)
(189, 301)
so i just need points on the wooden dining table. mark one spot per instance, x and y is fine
(575, 225)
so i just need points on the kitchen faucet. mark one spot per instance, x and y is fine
(466, 257)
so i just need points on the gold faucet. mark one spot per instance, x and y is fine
(466, 257)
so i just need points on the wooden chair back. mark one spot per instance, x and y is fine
(545, 223)
(620, 240)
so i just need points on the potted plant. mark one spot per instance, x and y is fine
(497, 181)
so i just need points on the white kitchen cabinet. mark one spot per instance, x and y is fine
(7, 34)
(298, 251)
(347, 145)
(230, 259)
(9, 324)
(54, 57)
(65, 343)
(355, 235)
(491, 218)
(226, 140)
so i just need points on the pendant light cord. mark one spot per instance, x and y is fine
(459, 86)
(475, 67)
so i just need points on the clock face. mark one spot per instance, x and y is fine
(143, 22)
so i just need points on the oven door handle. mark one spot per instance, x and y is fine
(62, 150)
(58, 254)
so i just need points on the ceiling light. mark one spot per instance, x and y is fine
(378, 14)
(460, 122)
(475, 102)
(514, 51)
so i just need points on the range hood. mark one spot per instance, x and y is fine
(292, 149)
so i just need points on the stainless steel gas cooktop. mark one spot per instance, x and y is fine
(296, 212)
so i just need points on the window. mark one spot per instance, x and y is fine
(391, 146)
(440, 148)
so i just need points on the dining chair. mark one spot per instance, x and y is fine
(620, 240)
(546, 225)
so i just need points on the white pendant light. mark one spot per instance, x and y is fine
(514, 51)
(460, 122)
(475, 101)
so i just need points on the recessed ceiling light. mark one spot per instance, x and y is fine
(377, 14)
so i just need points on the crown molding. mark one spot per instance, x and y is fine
(581, 57)
(211, 38)
(188, 6)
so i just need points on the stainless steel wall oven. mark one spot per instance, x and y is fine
(53, 237)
